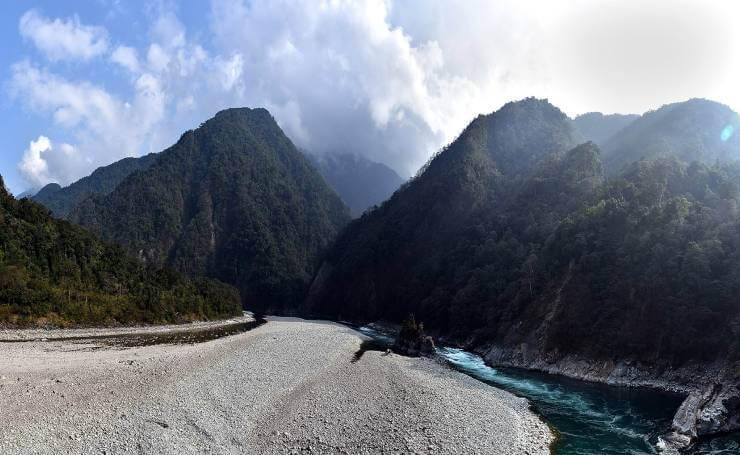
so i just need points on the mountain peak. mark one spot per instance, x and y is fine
(521, 133)
(250, 115)
(694, 130)
(233, 200)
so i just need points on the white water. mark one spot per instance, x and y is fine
(591, 418)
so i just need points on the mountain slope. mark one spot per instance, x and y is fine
(694, 130)
(52, 272)
(386, 263)
(360, 183)
(544, 259)
(599, 128)
(102, 181)
(233, 200)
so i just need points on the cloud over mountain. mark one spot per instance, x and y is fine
(390, 80)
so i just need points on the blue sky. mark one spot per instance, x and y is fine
(83, 84)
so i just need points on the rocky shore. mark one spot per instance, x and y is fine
(711, 406)
(284, 387)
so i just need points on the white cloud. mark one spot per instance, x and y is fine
(340, 77)
(44, 162)
(33, 167)
(63, 39)
(158, 59)
(106, 128)
(127, 57)
(393, 80)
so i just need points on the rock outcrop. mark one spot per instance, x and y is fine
(412, 341)
(710, 411)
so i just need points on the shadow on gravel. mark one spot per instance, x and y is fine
(369, 345)
(185, 336)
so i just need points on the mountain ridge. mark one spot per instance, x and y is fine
(62, 200)
(234, 200)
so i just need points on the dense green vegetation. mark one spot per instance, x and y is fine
(360, 183)
(508, 238)
(232, 200)
(694, 130)
(61, 201)
(599, 128)
(55, 273)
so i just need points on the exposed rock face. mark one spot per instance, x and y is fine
(412, 341)
(713, 410)
(711, 407)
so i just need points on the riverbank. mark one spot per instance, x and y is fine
(51, 334)
(284, 387)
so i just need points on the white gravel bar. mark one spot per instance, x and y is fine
(285, 387)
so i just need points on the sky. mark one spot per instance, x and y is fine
(84, 84)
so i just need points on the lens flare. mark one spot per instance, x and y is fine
(727, 133)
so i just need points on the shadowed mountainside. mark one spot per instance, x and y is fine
(233, 200)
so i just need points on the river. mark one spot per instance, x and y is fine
(590, 418)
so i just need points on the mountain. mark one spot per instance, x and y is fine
(101, 182)
(599, 128)
(511, 243)
(393, 260)
(55, 273)
(694, 130)
(360, 183)
(28, 193)
(233, 200)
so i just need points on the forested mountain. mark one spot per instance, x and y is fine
(387, 263)
(52, 272)
(101, 182)
(234, 200)
(694, 130)
(507, 240)
(599, 128)
(360, 183)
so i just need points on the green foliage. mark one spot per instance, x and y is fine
(690, 131)
(506, 239)
(55, 273)
(61, 201)
(232, 200)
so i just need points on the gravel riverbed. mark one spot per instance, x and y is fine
(285, 387)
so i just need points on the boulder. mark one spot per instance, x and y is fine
(710, 411)
(412, 341)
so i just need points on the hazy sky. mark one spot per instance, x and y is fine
(87, 83)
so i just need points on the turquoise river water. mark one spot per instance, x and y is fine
(590, 418)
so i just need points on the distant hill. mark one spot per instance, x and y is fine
(102, 181)
(694, 130)
(28, 193)
(55, 273)
(233, 200)
(360, 183)
(599, 128)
